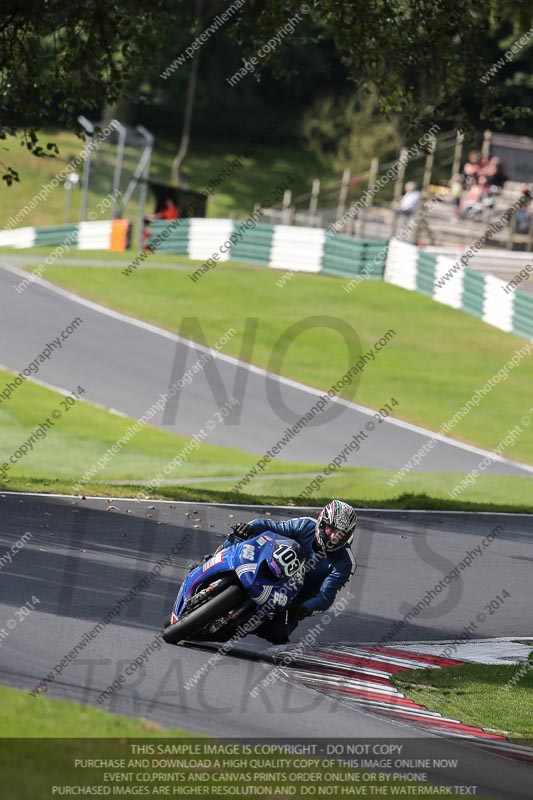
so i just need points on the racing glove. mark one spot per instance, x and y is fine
(240, 532)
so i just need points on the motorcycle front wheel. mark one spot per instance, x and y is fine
(230, 597)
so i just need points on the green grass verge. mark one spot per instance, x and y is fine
(476, 694)
(38, 254)
(261, 172)
(89, 734)
(83, 434)
(85, 732)
(430, 372)
(198, 494)
(24, 715)
(371, 485)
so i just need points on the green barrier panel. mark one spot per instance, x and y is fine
(176, 240)
(473, 291)
(523, 314)
(375, 258)
(56, 235)
(347, 257)
(255, 246)
(425, 273)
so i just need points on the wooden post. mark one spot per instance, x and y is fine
(343, 194)
(313, 204)
(420, 221)
(398, 186)
(372, 175)
(457, 153)
(487, 139)
(429, 165)
(362, 214)
(286, 207)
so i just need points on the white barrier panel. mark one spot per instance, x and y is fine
(451, 292)
(400, 268)
(502, 261)
(208, 237)
(18, 237)
(497, 305)
(94, 235)
(297, 249)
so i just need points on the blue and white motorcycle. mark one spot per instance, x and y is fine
(235, 591)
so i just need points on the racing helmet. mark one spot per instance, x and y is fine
(334, 527)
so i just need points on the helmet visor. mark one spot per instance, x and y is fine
(333, 537)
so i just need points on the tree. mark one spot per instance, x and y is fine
(420, 58)
(57, 58)
(189, 102)
(349, 130)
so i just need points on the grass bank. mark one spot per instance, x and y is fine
(82, 435)
(197, 494)
(370, 486)
(495, 697)
(24, 715)
(238, 193)
(105, 756)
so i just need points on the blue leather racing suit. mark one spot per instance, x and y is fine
(321, 583)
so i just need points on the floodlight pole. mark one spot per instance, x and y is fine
(71, 181)
(118, 167)
(89, 128)
(145, 175)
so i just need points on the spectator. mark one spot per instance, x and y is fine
(494, 172)
(471, 169)
(410, 201)
(469, 175)
(169, 212)
(488, 192)
(473, 201)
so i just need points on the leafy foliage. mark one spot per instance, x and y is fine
(58, 57)
(416, 60)
(421, 56)
(350, 130)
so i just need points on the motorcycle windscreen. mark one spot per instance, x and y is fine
(261, 569)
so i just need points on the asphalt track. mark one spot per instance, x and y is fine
(125, 365)
(86, 555)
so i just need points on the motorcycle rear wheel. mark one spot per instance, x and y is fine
(230, 597)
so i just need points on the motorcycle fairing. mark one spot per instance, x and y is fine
(248, 560)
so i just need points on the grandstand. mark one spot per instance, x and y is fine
(362, 205)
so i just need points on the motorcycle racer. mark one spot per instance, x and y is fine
(326, 543)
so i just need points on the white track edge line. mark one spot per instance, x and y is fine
(266, 505)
